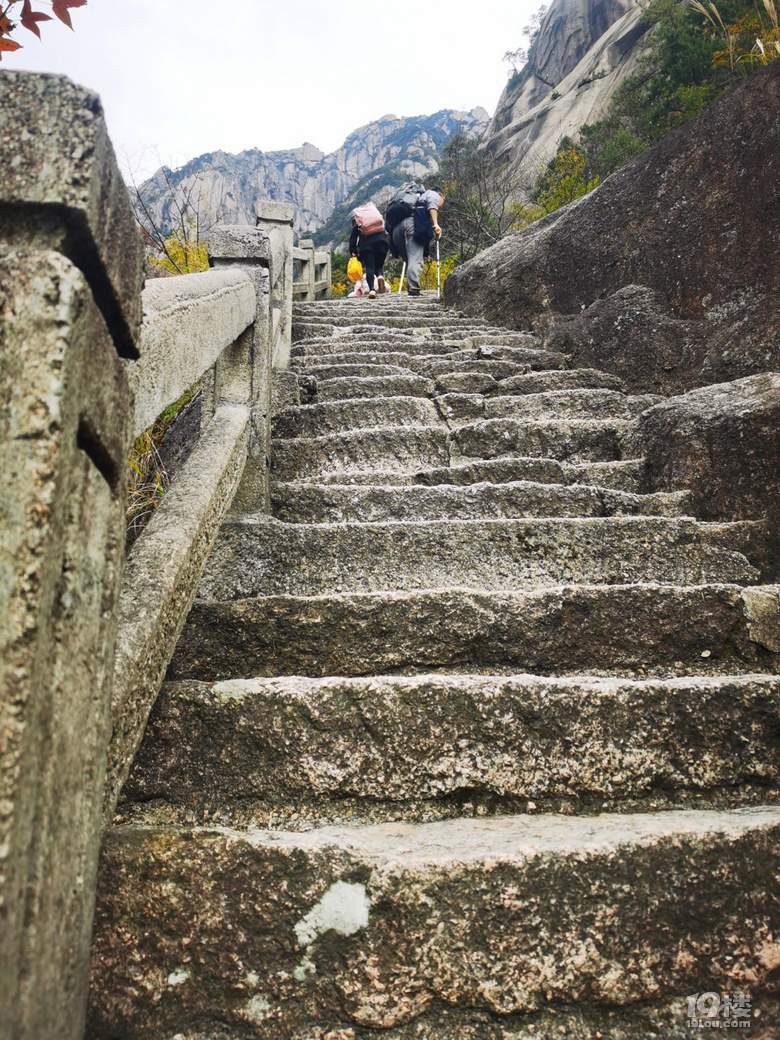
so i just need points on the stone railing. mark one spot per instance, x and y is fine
(87, 361)
(312, 274)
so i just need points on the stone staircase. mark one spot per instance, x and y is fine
(470, 739)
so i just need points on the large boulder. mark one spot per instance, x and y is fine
(632, 335)
(722, 443)
(695, 219)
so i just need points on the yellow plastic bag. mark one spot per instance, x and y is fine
(354, 270)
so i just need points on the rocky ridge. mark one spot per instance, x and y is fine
(583, 51)
(668, 274)
(373, 157)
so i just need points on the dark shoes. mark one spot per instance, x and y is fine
(414, 292)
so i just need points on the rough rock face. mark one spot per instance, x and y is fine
(583, 51)
(695, 219)
(228, 186)
(632, 334)
(723, 443)
(70, 310)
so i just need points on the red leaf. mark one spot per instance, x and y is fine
(6, 25)
(60, 8)
(8, 45)
(30, 18)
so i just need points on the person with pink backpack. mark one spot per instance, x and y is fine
(368, 241)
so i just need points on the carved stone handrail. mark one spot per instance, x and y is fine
(312, 272)
(188, 322)
(88, 361)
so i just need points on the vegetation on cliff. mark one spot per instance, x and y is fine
(693, 54)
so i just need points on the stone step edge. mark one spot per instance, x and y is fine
(419, 747)
(638, 630)
(500, 838)
(373, 925)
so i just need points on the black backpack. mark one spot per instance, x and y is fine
(402, 203)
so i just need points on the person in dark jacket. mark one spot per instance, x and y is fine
(406, 243)
(371, 250)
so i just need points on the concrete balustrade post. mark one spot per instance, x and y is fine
(309, 271)
(275, 219)
(243, 374)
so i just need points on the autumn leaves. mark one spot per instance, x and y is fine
(29, 19)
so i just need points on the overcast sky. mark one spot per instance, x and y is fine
(183, 77)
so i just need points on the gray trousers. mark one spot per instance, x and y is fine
(410, 251)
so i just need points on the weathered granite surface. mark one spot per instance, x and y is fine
(377, 927)
(694, 219)
(583, 51)
(628, 629)
(60, 183)
(65, 433)
(293, 751)
(722, 442)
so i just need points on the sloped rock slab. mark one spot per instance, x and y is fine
(370, 928)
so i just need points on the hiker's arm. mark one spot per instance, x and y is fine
(434, 215)
(353, 239)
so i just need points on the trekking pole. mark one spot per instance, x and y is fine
(403, 272)
(438, 272)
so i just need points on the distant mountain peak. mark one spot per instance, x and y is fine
(373, 157)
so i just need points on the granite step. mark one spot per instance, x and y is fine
(370, 319)
(397, 358)
(391, 352)
(494, 359)
(569, 440)
(388, 305)
(332, 503)
(637, 631)
(458, 370)
(565, 379)
(625, 475)
(400, 384)
(461, 408)
(295, 752)
(276, 934)
(401, 449)
(622, 475)
(392, 303)
(325, 371)
(320, 419)
(376, 346)
(264, 557)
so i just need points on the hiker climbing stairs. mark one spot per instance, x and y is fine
(470, 738)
